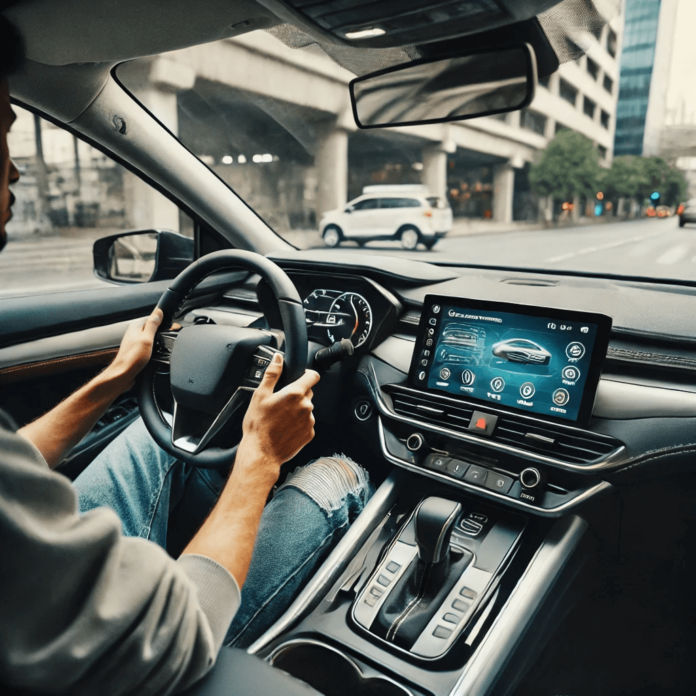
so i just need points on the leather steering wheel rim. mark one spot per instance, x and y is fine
(172, 302)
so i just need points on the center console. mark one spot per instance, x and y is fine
(461, 561)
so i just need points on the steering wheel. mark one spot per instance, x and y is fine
(214, 369)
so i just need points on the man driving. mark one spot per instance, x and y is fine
(88, 603)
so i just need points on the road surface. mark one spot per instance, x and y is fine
(649, 248)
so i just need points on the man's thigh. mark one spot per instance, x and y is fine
(137, 479)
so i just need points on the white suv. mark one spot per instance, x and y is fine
(407, 213)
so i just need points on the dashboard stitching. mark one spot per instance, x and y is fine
(659, 454)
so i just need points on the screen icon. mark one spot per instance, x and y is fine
(468, 377)
(424, 362)
(560, 397)
(527, 390)
(571, 373)
(551, 326)
(429, 342)
(433, 321)
(584, 329)
(426, 353)
(436, 309)
(431, 332)
(575, 350)
(497, 384)
(421, 376)
(445, 373)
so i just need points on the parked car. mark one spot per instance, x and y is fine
(406, 213)
(687, 212)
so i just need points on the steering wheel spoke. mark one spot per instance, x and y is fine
(213, 369)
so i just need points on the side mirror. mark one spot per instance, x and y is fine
(349, 209)
(143, 256)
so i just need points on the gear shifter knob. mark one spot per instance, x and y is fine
(435, 520)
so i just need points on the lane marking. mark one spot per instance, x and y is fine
(600, 247)
(674, 254)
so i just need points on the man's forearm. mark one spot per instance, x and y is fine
(59, 430)
(229, 533)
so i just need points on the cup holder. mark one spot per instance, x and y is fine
(330, 672)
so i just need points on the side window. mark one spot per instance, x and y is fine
(367, 204)
(68, 196)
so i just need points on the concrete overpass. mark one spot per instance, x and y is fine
(227, 98)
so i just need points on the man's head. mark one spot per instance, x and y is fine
(11, 53)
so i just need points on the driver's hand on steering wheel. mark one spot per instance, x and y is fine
(135, 350)
(279, 424)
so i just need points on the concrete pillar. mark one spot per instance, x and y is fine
(332, 169)
(435, 171)
(503, 192)
(157, 91)
(575, 213)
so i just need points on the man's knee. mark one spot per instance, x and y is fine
(331, 481)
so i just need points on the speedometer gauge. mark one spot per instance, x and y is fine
(350, 316)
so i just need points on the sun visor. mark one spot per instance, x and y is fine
(571, 26)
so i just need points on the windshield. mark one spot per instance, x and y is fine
(593, 177)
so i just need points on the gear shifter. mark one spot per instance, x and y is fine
(435, 520)
(423, 587)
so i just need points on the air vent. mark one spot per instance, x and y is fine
(532, 282)
(572, 446)
(424, 408)
(412, 318)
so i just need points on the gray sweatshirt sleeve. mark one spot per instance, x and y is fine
(84, 610)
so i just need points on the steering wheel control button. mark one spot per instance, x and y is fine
(560, 397)
(384, 581)
(376, 591)
(393, 566)
(371, 600)
(436, 462)
(468, 378)
(415, 441)
(457, 468)
(483, 423)
(497, 384)
(363, 410)
(451, 617)
(442, 632)
(571, 374)
(527, 390)
(468, 593)
(575, 350)
(498, 482)
(476, 475)
(445, 373)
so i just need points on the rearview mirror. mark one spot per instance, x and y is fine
(481, 83)
(140, 257)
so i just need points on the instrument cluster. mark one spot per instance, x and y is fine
(333, 315)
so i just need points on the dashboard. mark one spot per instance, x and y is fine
(628, 395)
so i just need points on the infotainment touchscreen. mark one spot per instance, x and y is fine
(537, 360)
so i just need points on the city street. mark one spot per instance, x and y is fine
(651, 248)
(648, 247)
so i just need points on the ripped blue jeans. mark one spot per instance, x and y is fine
(305, 519)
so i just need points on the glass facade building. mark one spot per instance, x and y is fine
(637, 59)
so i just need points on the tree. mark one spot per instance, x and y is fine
(568, 167)
(636, 178)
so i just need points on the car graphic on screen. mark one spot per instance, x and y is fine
(521, 350)
(463, 336)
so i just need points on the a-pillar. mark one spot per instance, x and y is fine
(156, 84)
(435, 170)
(503, 191)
